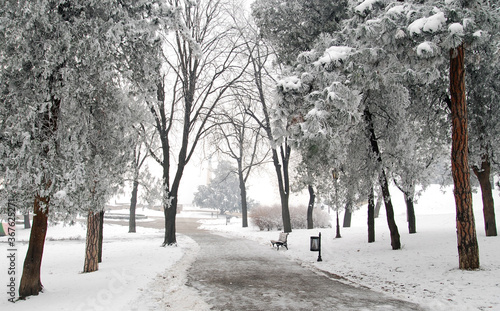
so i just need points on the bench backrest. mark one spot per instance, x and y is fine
(283, 237)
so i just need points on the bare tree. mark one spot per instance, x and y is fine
(260, 80)
(200, 67)
(241, 140)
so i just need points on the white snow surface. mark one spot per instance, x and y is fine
(138, 274)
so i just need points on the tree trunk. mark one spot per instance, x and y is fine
(91, 263)
(393, 228)
(133, 204)
(283, 185)
(170, 211)
(347, 215)
(371, 217)
(483, 175)
(338, 226)
(170, 215)
(378, 205)
(310, 207)
(410, 212)
(243, 195)
(31, 283)
(101, 235)
(468, 250)
(27, 223)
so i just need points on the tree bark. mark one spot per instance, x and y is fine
(283, 184)
(27, 223)
(410, 212)
(384, 185)
(133, 204)
(468, 250)
(243, 195)
(101, 235)
(310, 207)
(371, 217)
(347, 215)
(91, 263)
(170, 215)
(31, 283)
(483, 176)
(378, 205)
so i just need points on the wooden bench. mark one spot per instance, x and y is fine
(281, 241)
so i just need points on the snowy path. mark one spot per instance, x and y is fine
(239, 274)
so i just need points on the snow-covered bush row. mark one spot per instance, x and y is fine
(269, 217)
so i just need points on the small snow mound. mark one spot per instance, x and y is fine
(456, 29)
(335, 55)
(365, 6)
(427, 24)
(426, 49)
(290, 83)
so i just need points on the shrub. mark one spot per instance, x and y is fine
(269, 217)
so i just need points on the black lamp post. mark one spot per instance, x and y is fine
(316, 245)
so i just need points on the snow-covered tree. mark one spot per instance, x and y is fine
(258, 84)
(291, 26)
(451, 27)
(221, 193)
(57, 57)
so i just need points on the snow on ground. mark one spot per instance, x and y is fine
(424, 271)
(131, 262)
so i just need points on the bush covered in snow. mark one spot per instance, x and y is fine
(269, 217)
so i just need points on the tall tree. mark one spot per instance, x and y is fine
(269, 120)
(456, 15)
(45, 88)
(200, 59)
(239, 138)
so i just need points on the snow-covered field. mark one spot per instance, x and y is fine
(424, 271)
(130, 263)
(138, 274)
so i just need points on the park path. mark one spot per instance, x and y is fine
(232, 273)
(238, 274)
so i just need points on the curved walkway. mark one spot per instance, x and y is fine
(239, 274)
(232, 274)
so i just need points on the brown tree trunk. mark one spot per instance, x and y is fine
(384, 185)
(371, 217)
(31, 283)
(92, 243)
(468, 250)
(133, 204)
(310, 207)
(483, 175)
